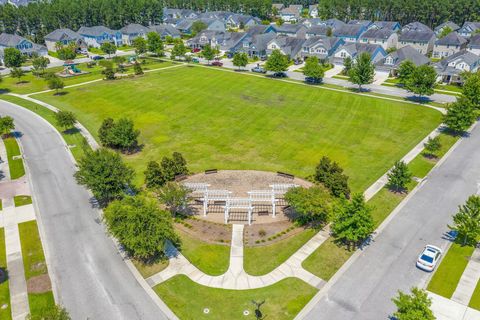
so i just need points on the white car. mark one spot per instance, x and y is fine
(429, 257)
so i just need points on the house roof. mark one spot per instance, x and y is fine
(364, 23)
(334, 23)
(279, 6)
(165, 29)
(257, 29)
(470, 26)
(290, 10)
(134, 28)
(260, 41)
(290, 45)
(62, 34)
(416, 26)
(384, 24)
(288, 28)
(382, 34)
(416, 36)
(474, 41)
(355, 49)
(409, 53)
(349, 30)
(449, 24)
(452, 39)
(327, 42)
(312, 7)
(10, 40)
(469, 57)
(318, 30)
(95, 31)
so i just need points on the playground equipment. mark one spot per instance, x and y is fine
(70, 69)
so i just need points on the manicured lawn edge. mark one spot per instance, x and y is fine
(188, 299)
(17, 170)
(475, 299)
(4, 289)
(148, 270)
(22, 200)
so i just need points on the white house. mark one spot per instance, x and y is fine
(387, 38)
(449, 45)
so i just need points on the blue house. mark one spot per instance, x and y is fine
(350, 32)
(95, 36)
(25, 46)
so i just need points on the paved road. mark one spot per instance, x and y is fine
(365, 289)
(92, 280)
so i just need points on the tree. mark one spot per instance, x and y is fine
(432, 146)
(155, 43)
(137, 68)
(313, 69)
(55, 312)
(208, 53)
(104, 172)
(460, 116)
(65, 119)
(178, 51)
(471, 89)
(153, 175)
(39, 65)
(140, 45)
(331, 175)
(104, 131)
(174, 196)
(156, 175)
(179, 163)
(67, 52)
(140, 226)
(17, 73)
(12, 57)
(198, 26)
(413, 306)
(55, 83)
(422, 80)
(352, 220)
(362, 71)
(399, 176)
(119, 135)
(109, 73)
(445, 31)
(277, 62)
(347, 65)
(467, 221)
(240, 60)
(109, 48)
(405, 71)
(309, 204)
(7, 125)
(329, 32)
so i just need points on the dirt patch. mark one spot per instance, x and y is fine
(40, 267)
(268, 233)
(39, 284)
(205, 231)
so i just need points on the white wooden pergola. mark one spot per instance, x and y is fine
(263, 196)
(214, 195)
(238, 203)
(282, 188)
(197, 187)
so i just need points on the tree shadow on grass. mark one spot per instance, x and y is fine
(4, 91)
(70, 131)
(61, 93)
(419, 99)
(453, 133)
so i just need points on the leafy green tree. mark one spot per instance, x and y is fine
(347, 65)
(208, 53)
(178, 51)
(7, 125)
(39, 65)
(174, 196)
(109, 48)
(105, 174)
(67, 52)
(352, 220)
(362, 71)
(198, 26)
(432, 146)
(137, 68)
(309, 204)
(109, 73)
(140, 226)
(422, 80)
(13, 58)
(17, 73)
(179, 164)
(399, 176)
(104, 131)
(471, 89)
(155, 43)
(65, 119)
(118, 60)
(153, 175)
(413, 306)
(331, 175)
(55, 83)
(405, 71)
(313, 69)
(445, 32)
(467, 221)
(240, 60)
(55, 312)
(277, 62)
(140, 45)
(460, 116)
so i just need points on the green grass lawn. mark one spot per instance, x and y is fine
(212, 259)
(263, 259)
(40, 301)
(17, 169)
(448, 273)
(22, 200)
(5, 313)
(147, 270)
(188, 299)
(475, 299)
(236, 121)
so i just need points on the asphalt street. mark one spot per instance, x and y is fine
(91, 280)
(365, 290)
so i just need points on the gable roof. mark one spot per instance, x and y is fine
(165, 29)
(449, 24)
(356, 48)
(279, 6)
(408, 53)
(318, 30)
(416, 26)
(452, 39)
(290, 45)
(469, 27)
(382, 34)
(327, 42)
(134, 28)
(334, 23)
(385, 24)
(95, 31)
(258, 29)
(364, 23)
(288, 28)
(11, 40)
(349, 30)
(416, 36)
(62, 34)
(475, 41)
(467, 56)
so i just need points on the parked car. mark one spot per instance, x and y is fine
(229, 55)
(96, 58)
(259, 69)
(217, 63)
(427, 260)
(280, 75)
(195, 60)
(312, 80)
(263, 58)
(195, 50)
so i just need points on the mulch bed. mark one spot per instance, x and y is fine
(206, 231)
(39, 284)
(269, 233)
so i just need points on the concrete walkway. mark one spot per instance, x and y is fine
(465, 287)
(4, 168)
(236, 278)
(446, 309)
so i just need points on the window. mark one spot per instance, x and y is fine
(245, 44)
(343, 54)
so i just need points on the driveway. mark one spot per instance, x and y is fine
(380, 77)
(337, 68)
(90, 279)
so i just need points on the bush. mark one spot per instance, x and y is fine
(119, 135)
(432, 146)
(331, 175)
(399, 177)
(262, 233)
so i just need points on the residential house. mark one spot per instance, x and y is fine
(206, 37)
(166, 30)
(260, 29)
(334, 24)
(291, 13)
(241, 21)
(449, 45)
(321, 47)
(350, 32)
(365, 23)
(277, 6)
(474, 44)
(469, 28)
(449, 70)
(95, 36)
(313, 11)
(65, 37)
(449, 24)
(353, 50)
(289, 46)
(314, 31)
(254, 45)
(25, 46)
(170, 13)
(291, 30)
(385, 37)
(422, 40)
(391, 25)
(416, 26)
(310, 22)
(213, 24)
(132, 31)
(393, 60)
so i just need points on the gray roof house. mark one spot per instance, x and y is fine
(314, 31)
(210, 37)
(449, 24)
(291, 13)
(289, 46)
(365, 23)
(313, 10)
(334, 23)
(385, 37)
(278, 6)
(393, 60)
(419, 39)
(474, 44)
(65, 37)
(468, 29)
(237, 21)
(321, 47)
(391, 25)
(254, 45)
(132, 31)
(449, 45)
(185, 25)
(291, 30)
(353, 50)
(165, 30)
(25, 46)
(416, 26)
(350, 32)
(95, 36)
(449, 70)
